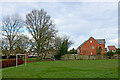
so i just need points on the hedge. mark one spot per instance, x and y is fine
(11, 57)
(11, 62)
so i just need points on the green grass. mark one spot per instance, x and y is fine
(64, 69)
(30, 59)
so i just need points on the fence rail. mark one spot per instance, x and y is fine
(85, 57)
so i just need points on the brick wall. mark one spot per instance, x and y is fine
(11, 62)
(89, 47)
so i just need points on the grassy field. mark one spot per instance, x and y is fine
(64, 69)
(30, 59)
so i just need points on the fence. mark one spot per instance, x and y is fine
(85, 57)
(11, 62)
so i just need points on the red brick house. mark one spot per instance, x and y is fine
(89, 46)
(111, 48)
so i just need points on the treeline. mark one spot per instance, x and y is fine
(40, 27)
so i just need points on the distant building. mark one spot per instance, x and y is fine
(111, 48)
(89, 46)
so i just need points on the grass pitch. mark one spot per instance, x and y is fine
(64, 69)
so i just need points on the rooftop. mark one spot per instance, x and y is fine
(100, 41)
(111, 48)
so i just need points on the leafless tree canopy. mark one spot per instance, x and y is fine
(57, 43)
(39, 24)
(11, 27)
(42, 29)
(23, 42)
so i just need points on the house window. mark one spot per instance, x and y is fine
(90, 41)
(91, 53)
(78, 51)
(92, 47)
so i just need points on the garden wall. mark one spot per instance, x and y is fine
(85, 57)
(11, 62)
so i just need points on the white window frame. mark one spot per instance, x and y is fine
(22, 55)
(78, 51)
(90, 41)
(92, 47)
(91, 53)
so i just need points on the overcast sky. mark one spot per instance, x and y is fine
(79, 20)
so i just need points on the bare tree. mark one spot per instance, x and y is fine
(4, 46)
(11, 27)
(42, 29)
(57, 43)
(22, 44)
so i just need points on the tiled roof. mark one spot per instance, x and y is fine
(82, 43)
(100, 41)
(111, 48)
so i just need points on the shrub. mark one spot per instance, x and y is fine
(118, 51)
(110, 54)
(73, 51)
(98, 50)
(4, 57)
(11, 62)
(11, 57)
(57, 56)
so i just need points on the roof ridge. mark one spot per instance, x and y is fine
(86, 41)
(98, 40)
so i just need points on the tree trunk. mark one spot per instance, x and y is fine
(38, 56)
(44, 56)
(8, 55)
